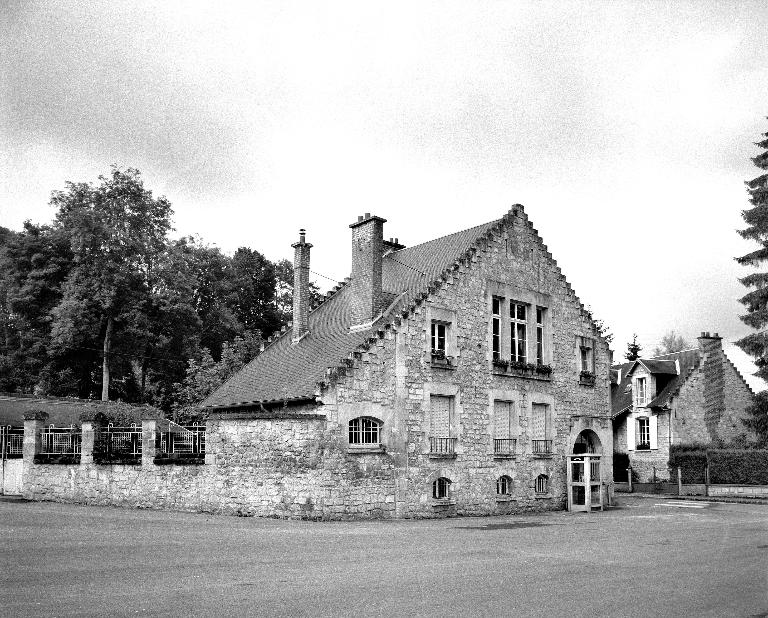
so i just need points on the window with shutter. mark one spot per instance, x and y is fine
(440, 411)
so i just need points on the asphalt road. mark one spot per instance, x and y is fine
(650, 557)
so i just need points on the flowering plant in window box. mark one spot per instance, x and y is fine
(544, 370)
(500, 363)
(587, 377)
(439, 357)
(643, 446)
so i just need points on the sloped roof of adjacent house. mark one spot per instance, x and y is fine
(621, 394)
(290, 372)
(61, 412)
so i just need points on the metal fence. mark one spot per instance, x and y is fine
(446, 446)
(504, 446)
(189, 440)
(541, 446)
(11, 442)
(61, 440)
(119, 441)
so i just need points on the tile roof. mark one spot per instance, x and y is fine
(61, 411)
(286, 371)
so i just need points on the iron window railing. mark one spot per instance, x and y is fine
(60, 440)
(443, 446)
(179, 440)
(541, 447)
(504, 446)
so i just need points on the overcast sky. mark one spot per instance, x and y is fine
(624, 128)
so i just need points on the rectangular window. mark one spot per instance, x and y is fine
(640, 392)
(503, 433)
(587, 357)
(540, 335)
(541, 428)
(438, 336)
(643, 433)
(518, 332)
(496, 328)
(440, 411)
(502, 419)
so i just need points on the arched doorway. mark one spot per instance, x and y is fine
(585, 473)
(587, 442)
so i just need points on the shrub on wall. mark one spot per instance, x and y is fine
(738, 467)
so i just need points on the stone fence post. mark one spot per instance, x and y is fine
(34, 421)
(91, 423)
(148, 444)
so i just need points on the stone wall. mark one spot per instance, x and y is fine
(271, 467)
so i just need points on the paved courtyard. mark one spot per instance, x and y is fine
(649, 557)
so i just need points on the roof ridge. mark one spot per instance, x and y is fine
(426, 242)
(658, 356)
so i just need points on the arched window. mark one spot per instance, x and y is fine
(503, 486)
(542, 484)
(440, 488)
(364, 430)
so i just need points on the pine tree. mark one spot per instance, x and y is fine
(756, 301)
(633, 349)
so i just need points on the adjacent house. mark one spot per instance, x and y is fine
(692, 396)
(451, 377)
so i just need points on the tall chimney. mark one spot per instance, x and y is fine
(300, 287)
(367, 251)
(712, 359)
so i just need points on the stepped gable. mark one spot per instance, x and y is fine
(294, 372)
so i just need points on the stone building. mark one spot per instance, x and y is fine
(693, 396)
(451, 377)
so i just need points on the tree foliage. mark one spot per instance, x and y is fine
(633, 349)
(671, 342)
(756, 300)
(184, 315)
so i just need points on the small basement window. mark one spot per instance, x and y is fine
(542, 484)
(441, 488)
(503, 486)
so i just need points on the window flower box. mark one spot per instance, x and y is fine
(544, 370)
(440, 359)
(587, 378)
(643, 446)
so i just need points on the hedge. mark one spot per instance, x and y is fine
(738, 467)
(691, 459)
(726, 466)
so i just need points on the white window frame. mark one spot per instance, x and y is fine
(439, 340)
(496, 330)
(643, 431)
(641, 394)
(364, 431)
(540, 313)
(515, 323)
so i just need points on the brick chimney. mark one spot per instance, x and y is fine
(367, 252)
(711, 354)
(300, 287)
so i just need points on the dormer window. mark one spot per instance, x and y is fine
(640, 392)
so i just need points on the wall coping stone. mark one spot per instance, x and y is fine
(247, 415)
